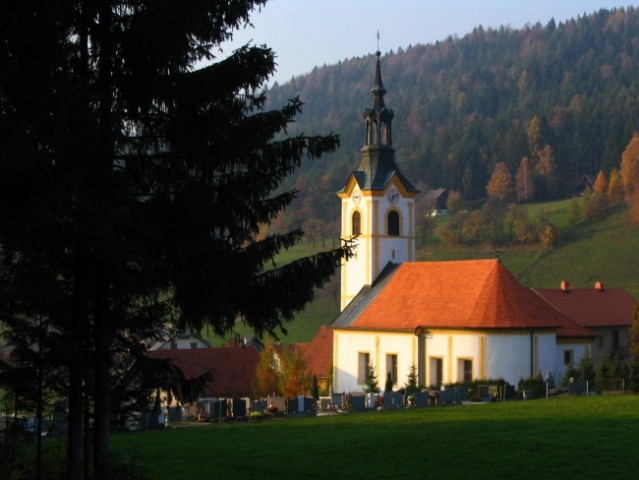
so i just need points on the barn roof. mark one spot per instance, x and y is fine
(593, 307)
(473, 294)
(319, 352)
(232, 369)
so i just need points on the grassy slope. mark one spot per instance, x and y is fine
(564, 437)
(607, 250)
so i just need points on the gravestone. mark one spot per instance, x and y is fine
(358, 403)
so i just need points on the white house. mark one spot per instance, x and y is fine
(455, 321)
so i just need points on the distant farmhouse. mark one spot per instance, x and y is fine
(435, 201)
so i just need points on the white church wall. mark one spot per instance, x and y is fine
(508, 357)
(348, 345)
(547, 354)
(505, 355)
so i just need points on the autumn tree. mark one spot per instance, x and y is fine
(266, 381)
(615, 188)
(454, 202)
(293, 377)
(524, 181)
(597, 203)
(630, 174)
(601, 184)
(533, 134)
(545, 168)
(500, 183)
(548, 235)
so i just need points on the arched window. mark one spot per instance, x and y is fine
(393, 223)
(356, 227)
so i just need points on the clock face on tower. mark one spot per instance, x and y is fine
(392, 195)
(357, 196)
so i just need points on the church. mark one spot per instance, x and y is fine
(454, 321)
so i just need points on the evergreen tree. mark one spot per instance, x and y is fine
(388, 385)
(411, 382)
(134, 185)
(634, 337)
(371, 380)
(314, 388)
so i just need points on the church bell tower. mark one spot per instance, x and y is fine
(378, 202)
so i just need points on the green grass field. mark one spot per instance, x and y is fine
(563, 437)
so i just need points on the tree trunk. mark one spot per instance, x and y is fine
(102, 196)
(102, 401)
(76, 375)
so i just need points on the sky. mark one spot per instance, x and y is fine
(309, 33)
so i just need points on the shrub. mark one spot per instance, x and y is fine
(535, 384)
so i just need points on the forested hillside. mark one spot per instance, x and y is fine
(563, 95)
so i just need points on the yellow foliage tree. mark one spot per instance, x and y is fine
(615, 188)
(500, 183)
(597, 204)
(524, 181)
(293, 378)
(630, 173)
(266, 381)
(601, 185)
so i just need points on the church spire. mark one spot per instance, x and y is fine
(378, 89)
(379, 118)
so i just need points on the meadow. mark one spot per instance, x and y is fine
(562, 437)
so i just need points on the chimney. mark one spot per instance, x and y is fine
(599, 286)
(565, 286)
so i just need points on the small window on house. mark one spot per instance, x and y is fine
(569, 357)
(391, 367)
(363, 364)
(193, 344)
(436, 371)
(173, 346)
(356, 224)
(465, 370)
(393, 223)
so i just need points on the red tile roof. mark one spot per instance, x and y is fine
(593, 308)
(232, 369)
(319, 352)
(474, 294)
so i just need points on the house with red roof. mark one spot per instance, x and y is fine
(231, 369)
(455, 321)
(608, 312)
(318, 355)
